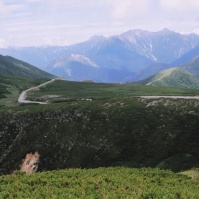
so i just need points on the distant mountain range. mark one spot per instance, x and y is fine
(187, 56)
(12, 66)
(131, 56)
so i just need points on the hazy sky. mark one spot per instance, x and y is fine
(64, 22)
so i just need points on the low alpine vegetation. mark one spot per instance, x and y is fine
(112, 182)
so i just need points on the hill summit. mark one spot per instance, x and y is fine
(177, 77)
(15, 67)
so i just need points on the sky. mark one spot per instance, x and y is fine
(65, 22)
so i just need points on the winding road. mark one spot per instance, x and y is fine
(23, 95)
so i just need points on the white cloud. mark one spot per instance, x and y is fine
(37, 22)
(181, 15)
(8, 8)
(3, 43)
(4, 10)
(179, 5)
(129, 8)
(59, 3)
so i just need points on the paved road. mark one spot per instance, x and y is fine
(23, 96)
(170, 97)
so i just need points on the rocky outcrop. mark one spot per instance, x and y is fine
(30, 163)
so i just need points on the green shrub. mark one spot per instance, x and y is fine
(118, 182)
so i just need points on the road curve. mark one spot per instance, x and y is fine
(23, 95)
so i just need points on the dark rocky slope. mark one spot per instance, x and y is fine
(129, 131)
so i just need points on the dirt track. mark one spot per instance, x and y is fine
(23, 95)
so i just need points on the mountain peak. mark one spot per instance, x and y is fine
(135, 32)
(166, 31)
(97, 38)
(140, 31)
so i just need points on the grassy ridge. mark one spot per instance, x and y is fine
(118, 182)
(78, 90)
(176, 77)
(15, 67)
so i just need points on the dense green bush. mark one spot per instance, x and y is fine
(118, 182)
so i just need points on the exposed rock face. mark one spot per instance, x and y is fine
(30, 163)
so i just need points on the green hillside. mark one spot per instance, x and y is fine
(114, 127)
(176, 77)
(61, 91)
(118, 182)
(15, 67)
(12, 86)
(192, 66)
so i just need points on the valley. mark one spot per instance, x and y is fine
(102, 128)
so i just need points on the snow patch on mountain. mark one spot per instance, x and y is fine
(68, 72)
(58, 65)
(84, 60)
